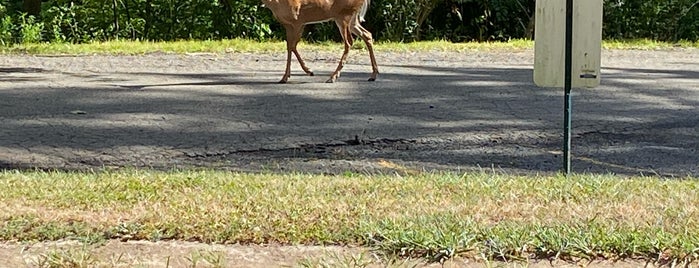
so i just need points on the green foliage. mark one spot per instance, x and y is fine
(5, 26)
(74, 23)
(30, 30)
(398, 18)
(482, 20)
(6, 31)
(653, 19)
(245, 19)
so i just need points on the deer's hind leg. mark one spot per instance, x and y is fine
(369, 41)
(344, 26)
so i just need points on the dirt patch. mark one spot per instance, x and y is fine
(162, 254)
(189, 254)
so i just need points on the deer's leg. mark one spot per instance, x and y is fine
(297, 37)
(290, 39)
(344, 26)
(293, 35)
(303, 64)
(369, 41)
(287, 72)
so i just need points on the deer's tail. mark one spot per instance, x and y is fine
(363, 10)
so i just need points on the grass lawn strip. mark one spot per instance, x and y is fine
(436, 216)
(251, 46)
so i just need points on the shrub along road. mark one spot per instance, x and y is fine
(427, 110)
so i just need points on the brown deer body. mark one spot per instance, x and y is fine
(347, 14)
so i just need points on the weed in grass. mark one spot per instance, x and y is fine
(214, 259)
(117, 260)
(126, 231)
(33, 227)
(334, 259)
(433, 238)
(77, 258)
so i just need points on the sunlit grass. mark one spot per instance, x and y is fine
(647, 44)
(447, 46)
(250, 46)
(434, 215)
(143, 47)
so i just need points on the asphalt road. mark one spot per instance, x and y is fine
(426, 111)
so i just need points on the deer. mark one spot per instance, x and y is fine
(347, 14)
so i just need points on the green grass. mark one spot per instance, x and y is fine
(64, 258)
(143, 47)
(647, 44)
(436, 216)
(242, 45)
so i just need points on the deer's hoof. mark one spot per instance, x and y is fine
(284, 79)
(372, 79)
(311, 74)
(331, 80)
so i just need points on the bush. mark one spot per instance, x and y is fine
(155, 20)
(30, 30)
(6, 31)
(482, 20)
(668, 20)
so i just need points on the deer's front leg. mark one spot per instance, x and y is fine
(293, 35)
(287, 73)
(346, 37)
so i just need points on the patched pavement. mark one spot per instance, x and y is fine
(426, 111)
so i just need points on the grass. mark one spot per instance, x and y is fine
(242, 45)
(86, 256)
(436, 216)
(647, 44)
(64, 258)
(339, 260)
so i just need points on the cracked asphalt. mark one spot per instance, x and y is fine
(426, 111)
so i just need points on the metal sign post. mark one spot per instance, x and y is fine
(568, 110)
(578, 55)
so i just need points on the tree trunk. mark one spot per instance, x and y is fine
(32, 7)
(529, 32)
(116, 19)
